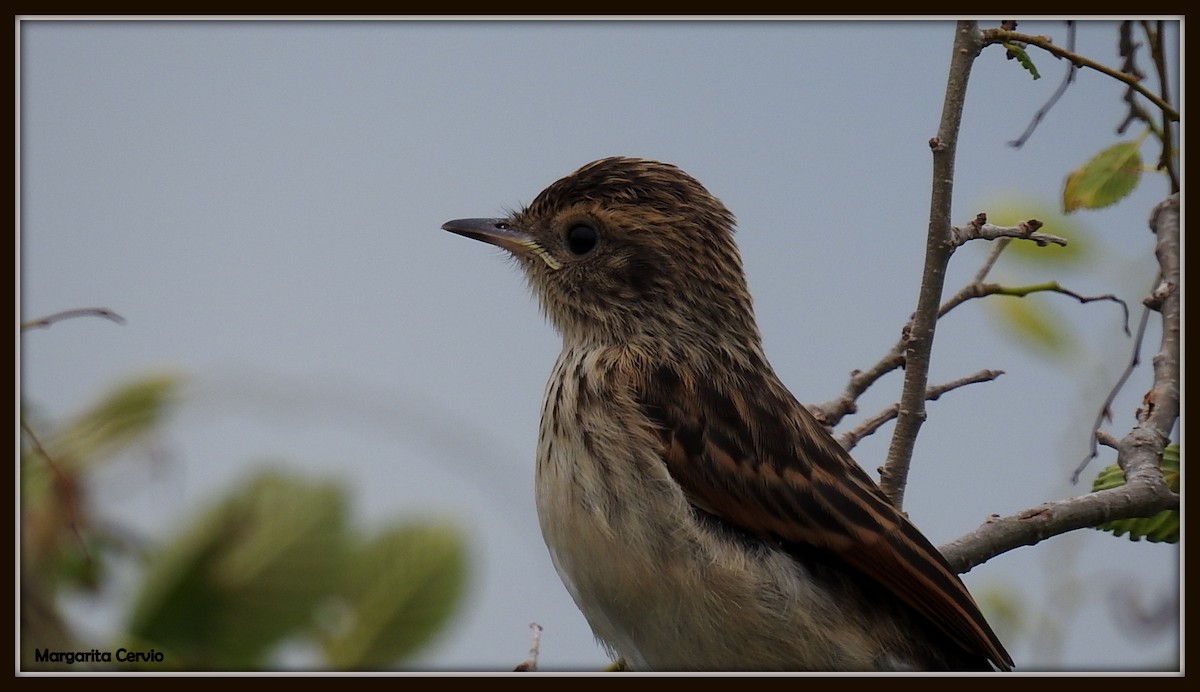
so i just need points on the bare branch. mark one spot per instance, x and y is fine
(990, 261)
(1105, 412)
(1107, 439)
(1163, 398)
(980, 229)
(992, 36)
(853, 436)
(831, 412)
(1166, 159)
(68, 314)
(530, 664)
(894, 474)
(1127, 48)
(1160, 411)
(980, 290)
(999, 535)
(66, 487)
(1145, 493)
(1137, 113)
(1068, 78)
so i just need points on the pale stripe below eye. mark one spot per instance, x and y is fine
(547, 258)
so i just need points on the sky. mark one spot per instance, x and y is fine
(262, 202)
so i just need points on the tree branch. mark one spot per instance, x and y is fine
(1105, 412)
(1160, 411)
(1145, 493)
(992, 36)
(1166, 159)
(833, 411)
(1141, 498)
(981, 290)
(980, 229)
(853, 436)
(894, 474)
(1068, 79)
(68, 314)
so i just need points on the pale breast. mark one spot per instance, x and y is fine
(658, 585)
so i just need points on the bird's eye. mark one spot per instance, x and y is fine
(581, 238)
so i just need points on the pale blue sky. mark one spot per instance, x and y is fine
(262, 201)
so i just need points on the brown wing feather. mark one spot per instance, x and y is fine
(763, 464)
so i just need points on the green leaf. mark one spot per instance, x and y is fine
(402, 588)
(1004, 609)
(1162, 527)
(58, 546)
(1017, 51)
(1032, 323)
(246, 575)
(1104, 180)
(122, 417)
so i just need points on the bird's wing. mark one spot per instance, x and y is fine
(761, 462)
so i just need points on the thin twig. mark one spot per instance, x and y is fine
(1145, 492)
(1105, 412)
(980, 290)
(1068, 79)
(64, 486)
(832, 412)
(1166, 159)
(1127, 48)
(69, 314)
(530, 664)
(1107, 439)
(998, 248)
(853, 436)
(991, 36)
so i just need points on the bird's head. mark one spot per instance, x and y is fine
(626, 249)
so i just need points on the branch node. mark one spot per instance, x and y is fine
(1034, 513)
(1161, 292)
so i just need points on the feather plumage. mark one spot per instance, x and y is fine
(698, 514)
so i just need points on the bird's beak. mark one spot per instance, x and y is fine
(501, 233)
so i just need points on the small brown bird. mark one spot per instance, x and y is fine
(701, 518)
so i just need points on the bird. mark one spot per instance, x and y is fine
(700, 516)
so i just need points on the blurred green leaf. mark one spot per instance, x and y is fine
(1162, 527)
(1003, 607)
(127, 413)
(1104, 180)
(402, 588)
(57, 547)
(1032, 323)
(247, 574)
(259, 568)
